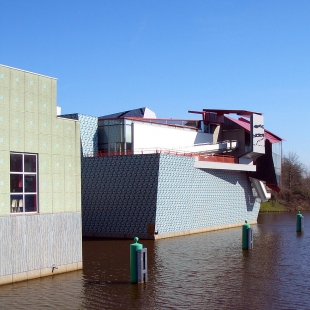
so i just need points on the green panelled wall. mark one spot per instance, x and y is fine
(29, 124)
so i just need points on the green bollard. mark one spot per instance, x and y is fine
(245, 228)
(133, 260)
(299, 222)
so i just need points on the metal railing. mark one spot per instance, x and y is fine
(199, 157)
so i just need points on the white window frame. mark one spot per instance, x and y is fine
(14, 209)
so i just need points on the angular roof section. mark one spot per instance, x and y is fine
(238, 112)
(141, 112)
(244, 123)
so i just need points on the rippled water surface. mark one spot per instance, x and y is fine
(203, 271)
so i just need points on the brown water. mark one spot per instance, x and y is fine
(203, 271)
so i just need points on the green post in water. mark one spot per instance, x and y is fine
(245, 235)
(298, 222)
(133, 260)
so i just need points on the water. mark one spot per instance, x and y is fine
(203, 271)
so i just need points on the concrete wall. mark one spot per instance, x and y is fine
(124, 196)
(28, 124)
(147, 135)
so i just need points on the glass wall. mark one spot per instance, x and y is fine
(277, 159)
(114, 136)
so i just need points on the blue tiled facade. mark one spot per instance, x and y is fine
(125, 194)
(192, 199)
(89, 133)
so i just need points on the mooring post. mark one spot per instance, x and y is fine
(299, 222)
(247, 236)
(133, 260)
(142, 265)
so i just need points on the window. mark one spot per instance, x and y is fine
(23, 183)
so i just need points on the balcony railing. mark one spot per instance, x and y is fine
(198, 157)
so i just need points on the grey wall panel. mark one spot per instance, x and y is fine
(33, 242)
(18, 242)
(5, 254)
(37, 241)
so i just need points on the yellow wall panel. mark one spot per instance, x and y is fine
(32, 122)
(58, 164)
(70, 165)
(45, 85)
(78, 202)
(57, 145)
(5, 76)
(45, 202)
(31, 83)
(17, 100)
(70, 202)
(31, 143)
(5, 162)
(45, 144)
(17, 78)
(4, 204)
(31, 102)
(4, 118)
(45, 164)
(58, 202)
(17, 120)
(58, 183)
(4, 97)
(4, 140)
(45, 106)
(58, 127)
(45, 183)
(70, 183)
(4, 183)
(17, 141)
(45, 126)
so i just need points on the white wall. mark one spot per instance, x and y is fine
(148, 135)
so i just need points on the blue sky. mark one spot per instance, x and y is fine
(171, 56)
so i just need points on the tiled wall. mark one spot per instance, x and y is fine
(119, 193)
(123, 194)
(190, 199)
(89, 132)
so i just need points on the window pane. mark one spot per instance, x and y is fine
(30, 163)
(30, 203)
(16, 162)
(16, 183)
(16, 203)
(128, 133)
(30, 183)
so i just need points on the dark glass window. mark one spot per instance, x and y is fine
(23, 183)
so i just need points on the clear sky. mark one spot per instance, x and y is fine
(170, 56)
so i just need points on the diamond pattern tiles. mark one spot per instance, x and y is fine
(190, 198)
(89, 132)
(119, 193)
(123, 194)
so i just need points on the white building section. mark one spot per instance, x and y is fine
(152, 136)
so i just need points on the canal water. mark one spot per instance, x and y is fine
(202, 271)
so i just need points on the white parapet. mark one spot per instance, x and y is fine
(223, 166)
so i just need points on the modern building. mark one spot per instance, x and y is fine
(40, 191)
(157, 178)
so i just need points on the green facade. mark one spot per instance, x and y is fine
(31, 243)
(29, 124)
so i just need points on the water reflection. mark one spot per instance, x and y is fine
(203, 271)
